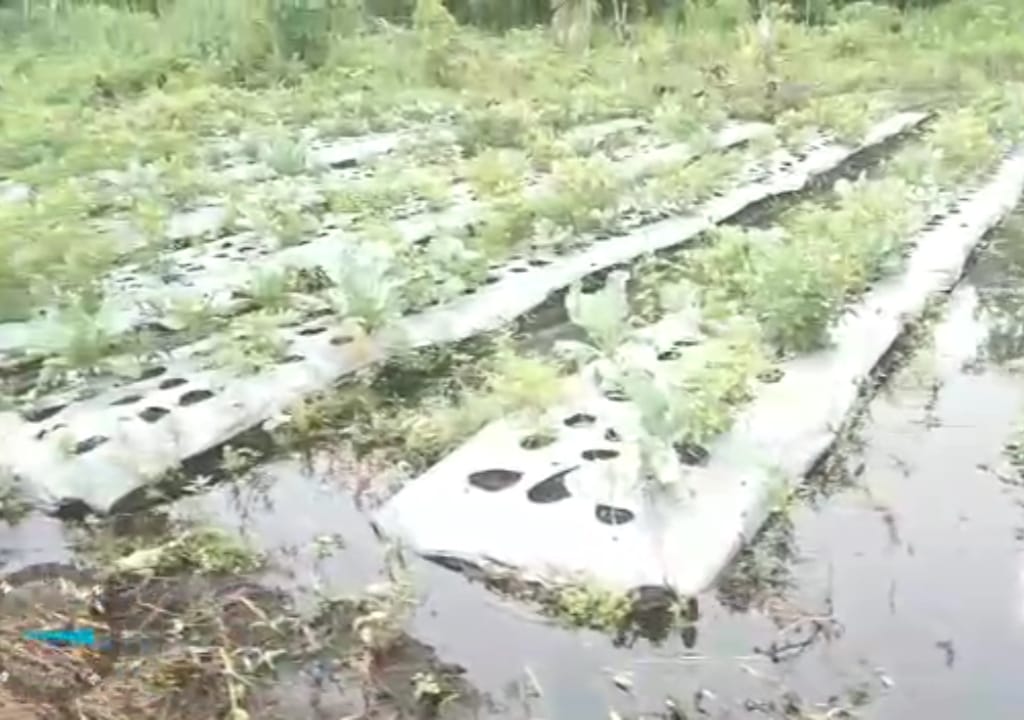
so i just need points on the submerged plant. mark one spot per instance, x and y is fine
(590, 606)
(199, 549)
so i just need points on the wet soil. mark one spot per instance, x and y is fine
(892, 587)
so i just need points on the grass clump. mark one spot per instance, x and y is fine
(592, 607)
(421, 407)
(202, 550)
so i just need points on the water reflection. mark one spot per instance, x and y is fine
(999, 278)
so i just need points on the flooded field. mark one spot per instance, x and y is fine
(378, 362)
(893, 584)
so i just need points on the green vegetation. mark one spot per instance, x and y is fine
(96, 87)
(117, 118)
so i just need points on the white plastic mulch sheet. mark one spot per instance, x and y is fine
(563, 511)
(212, 273)
(100, 449)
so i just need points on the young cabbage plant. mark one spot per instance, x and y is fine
(285, 155)
(76, 340)
(604, 316)
(661, 410)
(368, 288)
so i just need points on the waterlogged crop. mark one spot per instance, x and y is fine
(116, 122)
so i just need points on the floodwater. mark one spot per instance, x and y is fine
(898, 585)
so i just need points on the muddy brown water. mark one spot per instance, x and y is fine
(902, 588)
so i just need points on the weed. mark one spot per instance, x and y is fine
(591, 607)
(502, 125)
(252, 343)
(389, 193)
(798, 283)
(442, 269)
(692, 183)
(584, 194)
(964, 143)
(14, 504)
(496, 172)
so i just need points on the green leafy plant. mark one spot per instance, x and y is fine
(691, 183)
(798, 282)
(284, 154)
(271, 289)
(584, 194)
(440, 270)
(368, 288)
(388, 193)
(964, 143)
(603, 315)
(188, 314)
(74, 340)
(14, 504)
(252, 343)
(507, 224)
(496, 171)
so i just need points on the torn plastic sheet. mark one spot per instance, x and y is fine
(567, 510)
(210, 273)
(101, 449)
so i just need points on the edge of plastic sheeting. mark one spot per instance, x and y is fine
(686, 541)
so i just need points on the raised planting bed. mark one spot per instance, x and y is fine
(561, 498)
(214, 273)
(113, 440)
